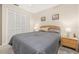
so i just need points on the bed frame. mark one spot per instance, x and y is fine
(50, 26)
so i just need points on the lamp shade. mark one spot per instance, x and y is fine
(36, 27)
(68, 30)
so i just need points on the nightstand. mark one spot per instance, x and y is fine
(70, 42)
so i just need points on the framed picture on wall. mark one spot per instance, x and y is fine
(55, 17)
(43, 18)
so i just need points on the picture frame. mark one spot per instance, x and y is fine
(55, 17)
(43, 18)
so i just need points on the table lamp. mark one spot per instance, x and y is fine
(36, 27)
(68, 30)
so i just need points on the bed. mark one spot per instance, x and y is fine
(39, 42)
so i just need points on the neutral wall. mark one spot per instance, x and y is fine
(0, 24)
(78, 20)
(68, 16)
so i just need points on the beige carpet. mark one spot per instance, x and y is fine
(62, 50)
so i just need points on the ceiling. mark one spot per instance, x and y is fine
(34, 8)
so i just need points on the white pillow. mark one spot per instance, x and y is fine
(44, 29)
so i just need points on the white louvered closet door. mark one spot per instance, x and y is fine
(17, 23)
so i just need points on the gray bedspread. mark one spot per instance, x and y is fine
(35, 43)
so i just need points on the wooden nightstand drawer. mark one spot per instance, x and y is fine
(69, 42)
(72, 45)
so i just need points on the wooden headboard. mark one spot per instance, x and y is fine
(50, 26)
